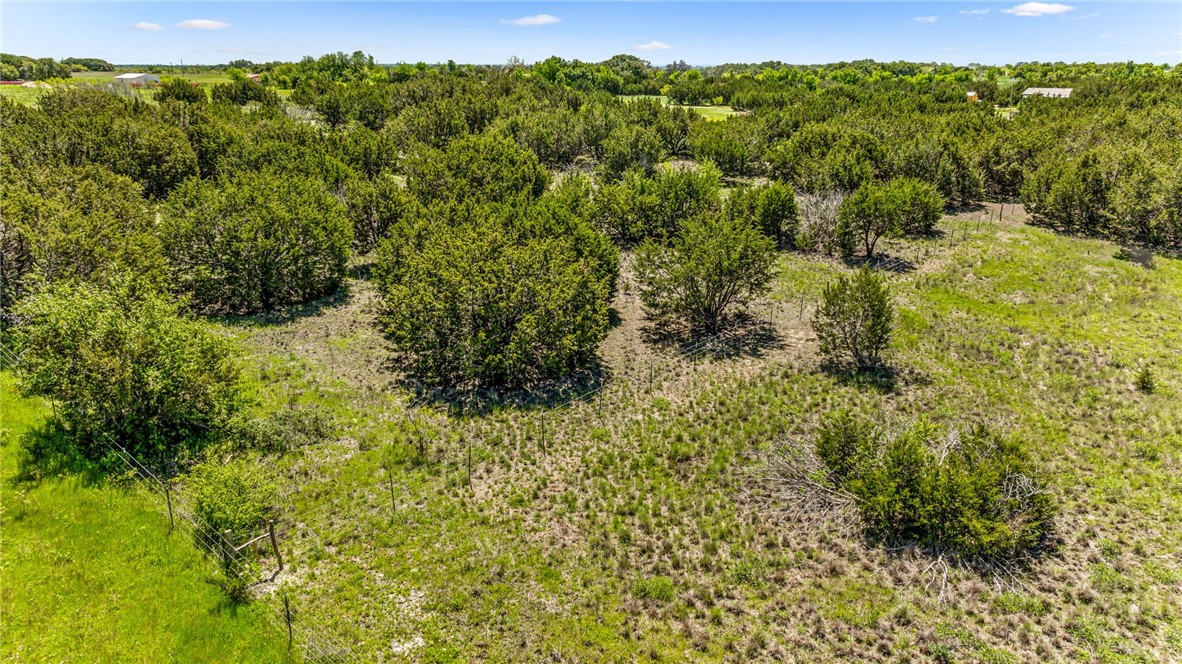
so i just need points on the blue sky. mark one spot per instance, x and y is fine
(697, 32)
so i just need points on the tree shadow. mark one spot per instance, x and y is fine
(287, 314)
(1142, 256)
(743, 335)
(884, 379)
(881, 262)
(51, 450)
(473, 399)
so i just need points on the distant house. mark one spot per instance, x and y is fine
(253, 77)
(971, 96)
(1062, 93)
(136, 79)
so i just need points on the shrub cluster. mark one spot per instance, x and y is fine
(972, 491)
(121, 361)
(854, 320)
(255, 241)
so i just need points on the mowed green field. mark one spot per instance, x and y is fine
(91, 572)
(708, 112)
(203, 78)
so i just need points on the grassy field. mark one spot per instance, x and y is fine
(203, 78)
(708, 112)
(638, 525)
(91, 572)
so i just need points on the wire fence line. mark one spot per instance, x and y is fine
(223, 555)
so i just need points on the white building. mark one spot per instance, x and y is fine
(1047, 92)
(136, 79)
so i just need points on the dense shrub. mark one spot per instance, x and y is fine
(640, 207)
(482, 167)
(771, 208)
(243, 92)
(65, 223)
(629, 148)
(122, 362)
(972, 491)
(373, 207)
(470, 297)
(179, 89)
(255, 241)
(919, 205)
(854, 321)
(232, 494)
(713, 266)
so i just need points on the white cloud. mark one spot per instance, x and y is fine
(531, 21)
(652, 46)
(974, 12)
(1083, 16)
(202, 24)
(925, 19)
(1038, 9)
(144, 25)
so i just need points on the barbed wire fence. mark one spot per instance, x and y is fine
(234, 562)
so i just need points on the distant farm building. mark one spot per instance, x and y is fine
(971, 96)
(136, 79)
(253, 77)
(1062, 93)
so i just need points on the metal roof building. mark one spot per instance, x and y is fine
(1047, 92)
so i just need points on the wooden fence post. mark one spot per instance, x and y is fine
(168, 497)
(393, 504)
(226, 545)
(287, 617)
(274, 542)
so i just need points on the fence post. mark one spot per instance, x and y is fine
(168, 497)
(800, 314)
(650, 377)
(393, 504)
(274, 542)
(287, 617)
(225, 551)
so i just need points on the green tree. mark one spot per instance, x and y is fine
(122, 362)
(255, 241)
(66, 223)
(711, 267)
(472, 298)
(855, 319)
(866, 216)
(919, 205)
(772, 208)
(179, 89)
(487, 167)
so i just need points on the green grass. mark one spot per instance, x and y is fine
(90, 572)
(708, 112)
(20, 94)
(203, 78)
(643, 531)
(634, 533)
